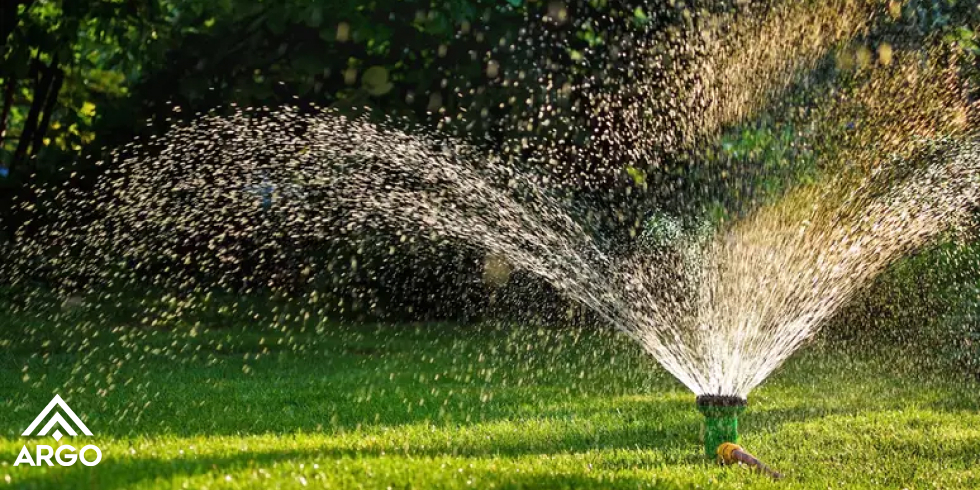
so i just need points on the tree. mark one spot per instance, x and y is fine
(59, 59)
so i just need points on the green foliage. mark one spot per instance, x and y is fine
(753, 165)
(126, 62)
(960, 328)
(661, 230)
(928, 302)
(251, 51)
(95, 48)
(776, 151)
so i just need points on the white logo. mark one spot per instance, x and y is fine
(65, 455)
(57, 401)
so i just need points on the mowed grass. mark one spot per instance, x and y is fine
(449, 406)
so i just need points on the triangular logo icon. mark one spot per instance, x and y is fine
(57, 419)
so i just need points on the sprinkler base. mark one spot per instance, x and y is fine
(720, 420)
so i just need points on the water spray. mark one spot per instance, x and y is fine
(721, 432)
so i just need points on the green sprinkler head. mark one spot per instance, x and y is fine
(720, 420)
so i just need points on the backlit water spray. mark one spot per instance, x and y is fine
(719, 312)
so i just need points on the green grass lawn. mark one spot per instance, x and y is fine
(439, 406)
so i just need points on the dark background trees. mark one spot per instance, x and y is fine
(82, 77)
(78, 77)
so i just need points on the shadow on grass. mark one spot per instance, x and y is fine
(647, 425)
(131, 472)
(115, 473)
(126, 472)
(672, 438)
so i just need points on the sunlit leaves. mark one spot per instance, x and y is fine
(375, 81)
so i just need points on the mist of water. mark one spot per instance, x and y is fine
(719, 312)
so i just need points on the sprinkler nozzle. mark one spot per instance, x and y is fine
(721, 401)
(729, 453)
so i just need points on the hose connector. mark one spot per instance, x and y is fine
(729, 453)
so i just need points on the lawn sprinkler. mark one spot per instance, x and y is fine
(720, 420)
(721, 432)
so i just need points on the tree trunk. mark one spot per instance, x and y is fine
(8, 100)
(40, 98)
(49, 106)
